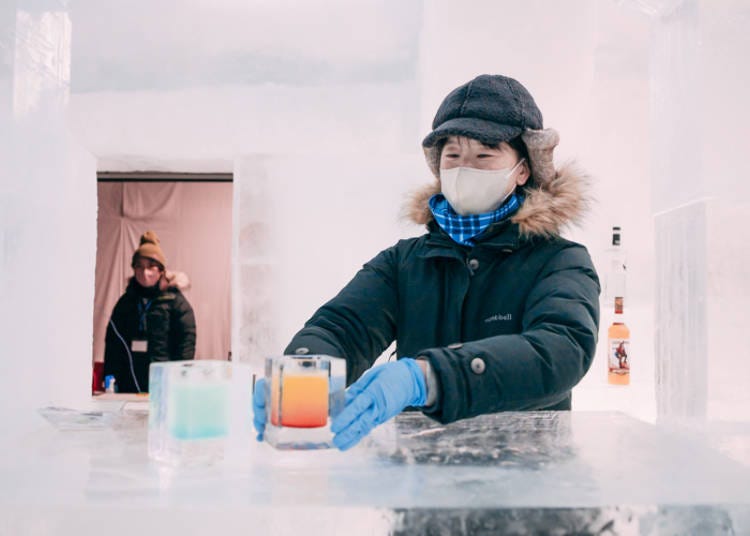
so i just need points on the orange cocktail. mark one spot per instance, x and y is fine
(304, 401)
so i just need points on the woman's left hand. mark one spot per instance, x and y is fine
(380, 394)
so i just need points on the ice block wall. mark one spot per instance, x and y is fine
(305, 226)
(327, 170)
(47, 215)
(255, 331)
(700, 193)
(680, 213)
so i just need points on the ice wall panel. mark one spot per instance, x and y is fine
(42, 68)
(221, 123)
(48, 224)
(681, 297)
(678, 105)
(725, 76)
(7, 49)
(334, 220)
(206, 43)
(613, 143)
(303, 227)
(699, 193)
(728, 293)
(254, 265)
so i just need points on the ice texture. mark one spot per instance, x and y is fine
(197, 409)
(323, 141)
(302, 394)
(519, 472)
(47, 216)
(699, 198)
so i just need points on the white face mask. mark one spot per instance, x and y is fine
(476, 191)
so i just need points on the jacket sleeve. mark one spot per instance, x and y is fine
(538, 367)
(159, 322)
(184, 325)
(359, 323)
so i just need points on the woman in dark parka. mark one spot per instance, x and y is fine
(491, 309)
(152, 321)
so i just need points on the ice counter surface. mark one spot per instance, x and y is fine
(557, 472)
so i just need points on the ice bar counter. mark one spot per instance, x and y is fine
(507, 473)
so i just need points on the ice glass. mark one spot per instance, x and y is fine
(303, 393)
(196, 407)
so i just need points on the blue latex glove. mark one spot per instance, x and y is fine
(380, 394)
(259, 407)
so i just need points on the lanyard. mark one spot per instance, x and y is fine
(142, 310)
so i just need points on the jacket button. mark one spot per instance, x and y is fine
(473, 264)
(455, 346)
(477, 365)
(302, 350)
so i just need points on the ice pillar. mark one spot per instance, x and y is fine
(680, 220)
(47, 215)
(699, 195)
(253, 317)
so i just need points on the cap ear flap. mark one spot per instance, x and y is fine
(541, 145)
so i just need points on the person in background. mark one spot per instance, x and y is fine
(491, 309)
(152, 321)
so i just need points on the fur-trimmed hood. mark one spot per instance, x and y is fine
(179, 280)
(554, 197)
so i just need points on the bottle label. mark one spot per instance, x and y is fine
(619, 350)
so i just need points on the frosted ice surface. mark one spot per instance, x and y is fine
(588, 469)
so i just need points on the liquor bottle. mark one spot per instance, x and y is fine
(614, 278)
(618, 348)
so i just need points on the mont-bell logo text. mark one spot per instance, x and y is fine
(499, 318)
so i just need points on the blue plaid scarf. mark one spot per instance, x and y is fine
(463, 229)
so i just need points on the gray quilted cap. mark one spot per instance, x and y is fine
(490, 108)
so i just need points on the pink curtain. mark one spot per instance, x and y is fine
(194, 224)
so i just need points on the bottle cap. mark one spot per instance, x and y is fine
(616, 236)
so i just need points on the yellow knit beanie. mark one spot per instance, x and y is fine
(150, 249)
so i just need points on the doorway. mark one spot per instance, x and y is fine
(192, 215)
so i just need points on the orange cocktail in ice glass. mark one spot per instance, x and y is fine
(303, 393)
(302, 401)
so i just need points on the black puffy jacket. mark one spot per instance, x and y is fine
(168, 328)
(510, 324)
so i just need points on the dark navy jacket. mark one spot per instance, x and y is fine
(168, 326)
(510, 324)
